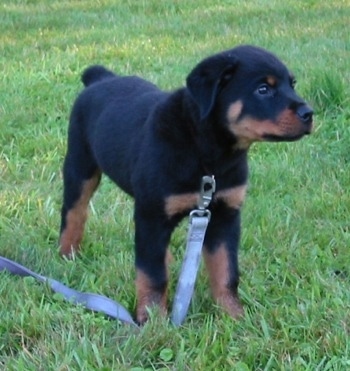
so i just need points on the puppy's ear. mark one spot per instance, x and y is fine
(208, 77)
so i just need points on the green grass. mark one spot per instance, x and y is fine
(295, 252)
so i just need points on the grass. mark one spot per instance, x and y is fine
(295, 244)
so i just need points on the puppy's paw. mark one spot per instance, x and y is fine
(231, 304)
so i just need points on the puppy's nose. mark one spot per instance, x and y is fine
(305, 114)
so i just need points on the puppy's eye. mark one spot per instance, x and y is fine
(264, 89)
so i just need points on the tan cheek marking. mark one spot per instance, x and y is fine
(147, 297)
(234, 111)
(233, 197)
(241, 129)
(178, 204)
(253, 130)
(72, 235)
(249, 130)
(218, 269)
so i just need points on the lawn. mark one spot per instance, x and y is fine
(294, 255)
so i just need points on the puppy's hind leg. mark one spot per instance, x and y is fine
(81, 178)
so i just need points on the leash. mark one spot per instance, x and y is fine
(95, 302)
(199, 219)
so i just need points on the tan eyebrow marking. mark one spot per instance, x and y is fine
(271, 80)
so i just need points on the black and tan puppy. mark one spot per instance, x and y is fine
(157, 146)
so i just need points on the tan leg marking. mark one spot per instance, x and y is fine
(177, 204)
(72, 235)
(218, 269)
(233, 197)
(147, 297)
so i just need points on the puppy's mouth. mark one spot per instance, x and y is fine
(285, 138)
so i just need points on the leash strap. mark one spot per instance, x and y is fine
(199, 220)
(95, 302)
(189, 269)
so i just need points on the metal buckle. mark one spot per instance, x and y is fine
(206, 193)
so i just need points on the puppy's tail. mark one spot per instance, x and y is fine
(94, 74)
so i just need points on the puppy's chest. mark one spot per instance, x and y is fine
(232, 198)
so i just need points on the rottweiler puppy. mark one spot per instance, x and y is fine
(156, 146)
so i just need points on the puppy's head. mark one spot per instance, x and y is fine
(249, 92)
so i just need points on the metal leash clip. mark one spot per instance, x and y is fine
(207, 190)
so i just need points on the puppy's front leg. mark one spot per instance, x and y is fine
(152, 234)
(220, 255)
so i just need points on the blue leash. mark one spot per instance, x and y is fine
(199, 219)
(95, 302)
